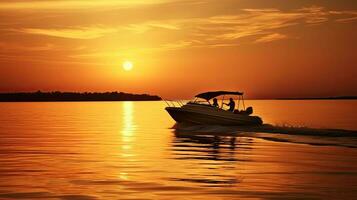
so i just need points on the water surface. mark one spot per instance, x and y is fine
(130, 150)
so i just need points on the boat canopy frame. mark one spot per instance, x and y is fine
(210, 95)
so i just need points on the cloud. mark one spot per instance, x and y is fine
(176, 45)
(350, 19)
(71, 33)
(258, 21)
(250, 22)
(261, 25)
(75, 4)
(348, 16)
(146, 26)
(219, 29)
(17, 47)
(271, 37)
(225, 30)
(255, 25)
(315, 14)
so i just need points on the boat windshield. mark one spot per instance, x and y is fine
(200, 101)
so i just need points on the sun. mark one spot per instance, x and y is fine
(128, 65)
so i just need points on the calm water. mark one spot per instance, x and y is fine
(130, 150)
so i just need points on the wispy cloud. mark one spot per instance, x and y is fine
(261, 25)
(146, 26)
(350, 19)
(255, 25)
(315, 14)
(254, 22)
(224, 30)
(347, 16)
(75, 4)
(176, 45)
(17, 47)
(271, 37)
(211, 30)
(72, 33)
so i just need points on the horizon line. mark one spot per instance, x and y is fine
(337, 97)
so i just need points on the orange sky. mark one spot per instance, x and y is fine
(270, 48)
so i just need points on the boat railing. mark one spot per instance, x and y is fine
(174, 103)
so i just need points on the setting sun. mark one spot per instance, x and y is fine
(128, 65)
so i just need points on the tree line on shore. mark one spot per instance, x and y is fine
(75, 96)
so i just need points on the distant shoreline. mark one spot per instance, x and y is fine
(321, 98)
(74, 97)
(57, 96)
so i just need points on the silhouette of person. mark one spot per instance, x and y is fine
(215, 102)
(231, 105)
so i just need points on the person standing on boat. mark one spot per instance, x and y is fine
(231, 105)
(215, 102)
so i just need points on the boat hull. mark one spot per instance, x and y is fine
(213, 116)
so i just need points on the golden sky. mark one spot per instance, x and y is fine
(266, 48)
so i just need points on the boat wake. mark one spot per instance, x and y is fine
(300, 135)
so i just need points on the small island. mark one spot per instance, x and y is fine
(74, 96)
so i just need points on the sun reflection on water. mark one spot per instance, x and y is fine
(128, 129)
(127, 136)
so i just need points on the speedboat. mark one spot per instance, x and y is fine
(201, 111)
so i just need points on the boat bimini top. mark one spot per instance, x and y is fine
(210, 95)
(207, 96)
